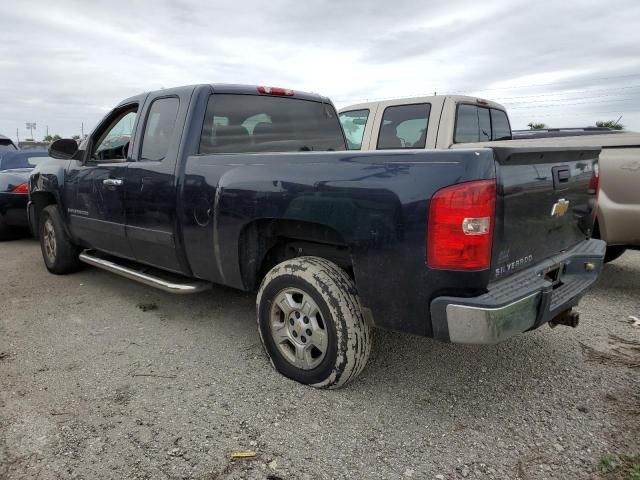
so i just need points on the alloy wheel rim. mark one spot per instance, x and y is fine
(298, 328)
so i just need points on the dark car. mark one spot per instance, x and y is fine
(7, 145)
(15, 168)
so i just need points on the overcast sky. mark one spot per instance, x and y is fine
(563, 63)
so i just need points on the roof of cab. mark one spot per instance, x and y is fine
(238, 89)
(253, 90)
(426, 99)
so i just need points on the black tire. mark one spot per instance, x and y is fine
(613, 252)
(61, 255)
(348, 337)
(5, 230)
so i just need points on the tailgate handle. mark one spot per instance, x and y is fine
(561, 176)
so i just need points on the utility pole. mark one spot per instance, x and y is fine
(18, 134)
(82, 130)
(47, 130)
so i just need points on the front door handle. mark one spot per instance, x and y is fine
(112, 182)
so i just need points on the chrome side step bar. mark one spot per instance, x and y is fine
(194, 286)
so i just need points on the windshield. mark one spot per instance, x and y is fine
(14, 160)
(253, 123)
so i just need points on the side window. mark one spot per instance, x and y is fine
(353, 124)
(404, 126)
(500, 123)
(467, 125)
(158, 131)
(113, 143)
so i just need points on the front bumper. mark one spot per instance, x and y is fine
(521, 302)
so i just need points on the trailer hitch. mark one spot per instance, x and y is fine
(568, 318)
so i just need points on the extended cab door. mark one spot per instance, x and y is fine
(96, 203)
(405, 124)
(151, 185)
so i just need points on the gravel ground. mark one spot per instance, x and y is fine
(101, 377)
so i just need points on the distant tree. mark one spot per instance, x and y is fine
(536, 126)
(51, 138)
(612, 124)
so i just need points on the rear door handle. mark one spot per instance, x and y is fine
(113, 182)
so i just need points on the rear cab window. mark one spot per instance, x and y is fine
(7, 145)
(19, 159)
(480, 124)
(500, 125)
(404, 126)
(353, 123)
(237, 123)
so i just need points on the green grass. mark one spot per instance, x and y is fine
(623, 467)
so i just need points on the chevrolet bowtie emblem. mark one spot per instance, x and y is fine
(560, 208)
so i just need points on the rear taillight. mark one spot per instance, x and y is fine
(594, 181)
(460, 230)
(22, 188)
(283, 92)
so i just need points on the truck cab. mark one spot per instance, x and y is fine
(438, 121)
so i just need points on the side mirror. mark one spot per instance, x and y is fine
(63, 149)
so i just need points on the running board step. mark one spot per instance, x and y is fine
(143, 275)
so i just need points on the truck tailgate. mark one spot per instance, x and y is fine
(545, 203)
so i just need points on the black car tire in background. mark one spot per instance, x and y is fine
(59, 253)
(5, 231)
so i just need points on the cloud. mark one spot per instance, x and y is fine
(68, 62)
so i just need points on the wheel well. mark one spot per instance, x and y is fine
(597, 230)
(39, 200)
(265, 243)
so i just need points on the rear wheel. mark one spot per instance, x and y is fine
(59, 253)
(613, 252)
(310, 323)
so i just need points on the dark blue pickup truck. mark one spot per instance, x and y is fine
(253, 188)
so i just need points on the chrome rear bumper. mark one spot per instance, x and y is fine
(521, 302)
(469, 324)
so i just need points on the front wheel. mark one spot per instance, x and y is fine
(310, 323)
(59, 253)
